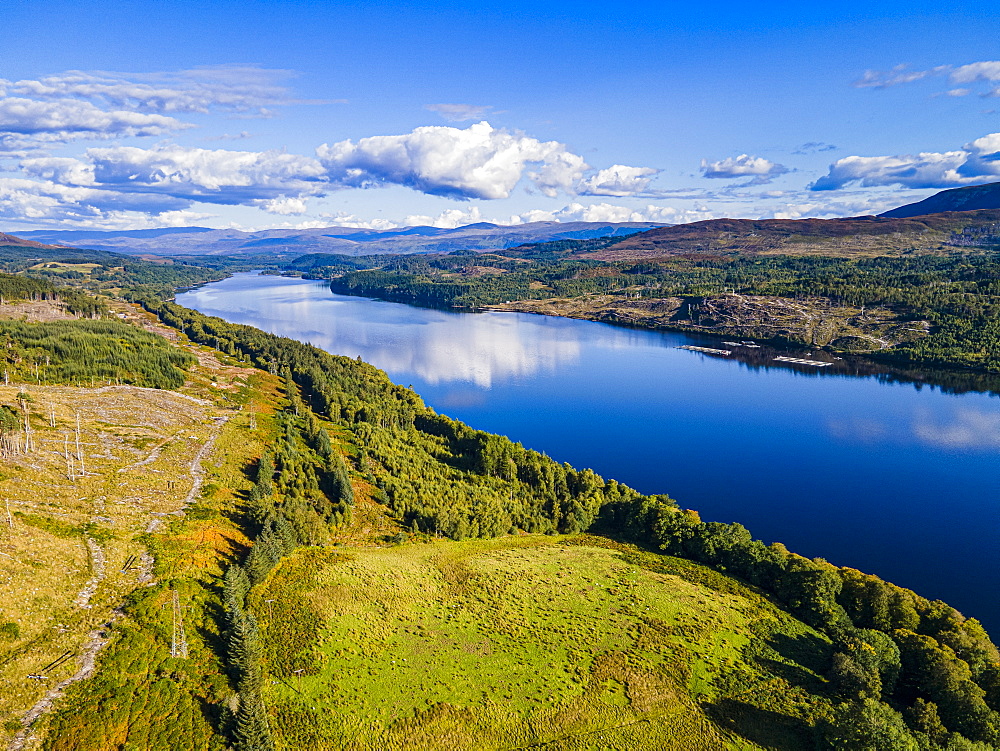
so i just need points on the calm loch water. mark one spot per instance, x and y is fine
(895, 479)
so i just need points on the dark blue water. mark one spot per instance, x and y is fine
(888, 478)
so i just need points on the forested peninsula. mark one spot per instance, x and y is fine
(322, 549)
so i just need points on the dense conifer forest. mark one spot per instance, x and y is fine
(91, 349)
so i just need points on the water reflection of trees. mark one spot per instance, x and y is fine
(848, 366)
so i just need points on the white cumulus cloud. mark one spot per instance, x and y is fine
(67, 119)
(346, 219)
(181, 218)
(479, 161)
(209, 175)
(58, 169)
(37, 114)
(476, 162)
(448, 219)
(283, 205)
(618, 180)
(51, 204)
(608, 212)
(562, 172)
(832, 209)
(242, 89)
(987, 70)
(743, 165)
(573, 212)
(974, 163)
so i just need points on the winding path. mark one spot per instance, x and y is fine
(97, 563)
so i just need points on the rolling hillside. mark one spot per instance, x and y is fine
(567, 642)
(20, 242)
(973, 198)
(855, 236)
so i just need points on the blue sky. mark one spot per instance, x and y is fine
(266, 114)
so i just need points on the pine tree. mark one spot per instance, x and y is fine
(252, 730)
(235, 586)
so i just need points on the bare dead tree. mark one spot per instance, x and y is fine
(79, 451)
(70, 469)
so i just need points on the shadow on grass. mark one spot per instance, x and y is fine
(800, 660)
(763, 727)
(807, 650)
(215, 639)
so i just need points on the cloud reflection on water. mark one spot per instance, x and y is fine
(471, 353)
(967, 428)
(436, 346)
(960, 428)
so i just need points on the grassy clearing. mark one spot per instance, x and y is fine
(56, 267)
(528, 642)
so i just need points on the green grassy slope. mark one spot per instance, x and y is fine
(561, 642)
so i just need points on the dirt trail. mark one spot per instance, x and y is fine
(146, 562)
(97, 563)
(196, 471)
(96, 641)
(122, 405)
(115, 387)
(154, 454)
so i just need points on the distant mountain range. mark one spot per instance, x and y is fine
(342, 240)
(960, 216)
(956, 199)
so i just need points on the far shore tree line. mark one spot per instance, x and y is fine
(957, 294)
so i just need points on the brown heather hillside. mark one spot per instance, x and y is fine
(20, 242)
(866, 235)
